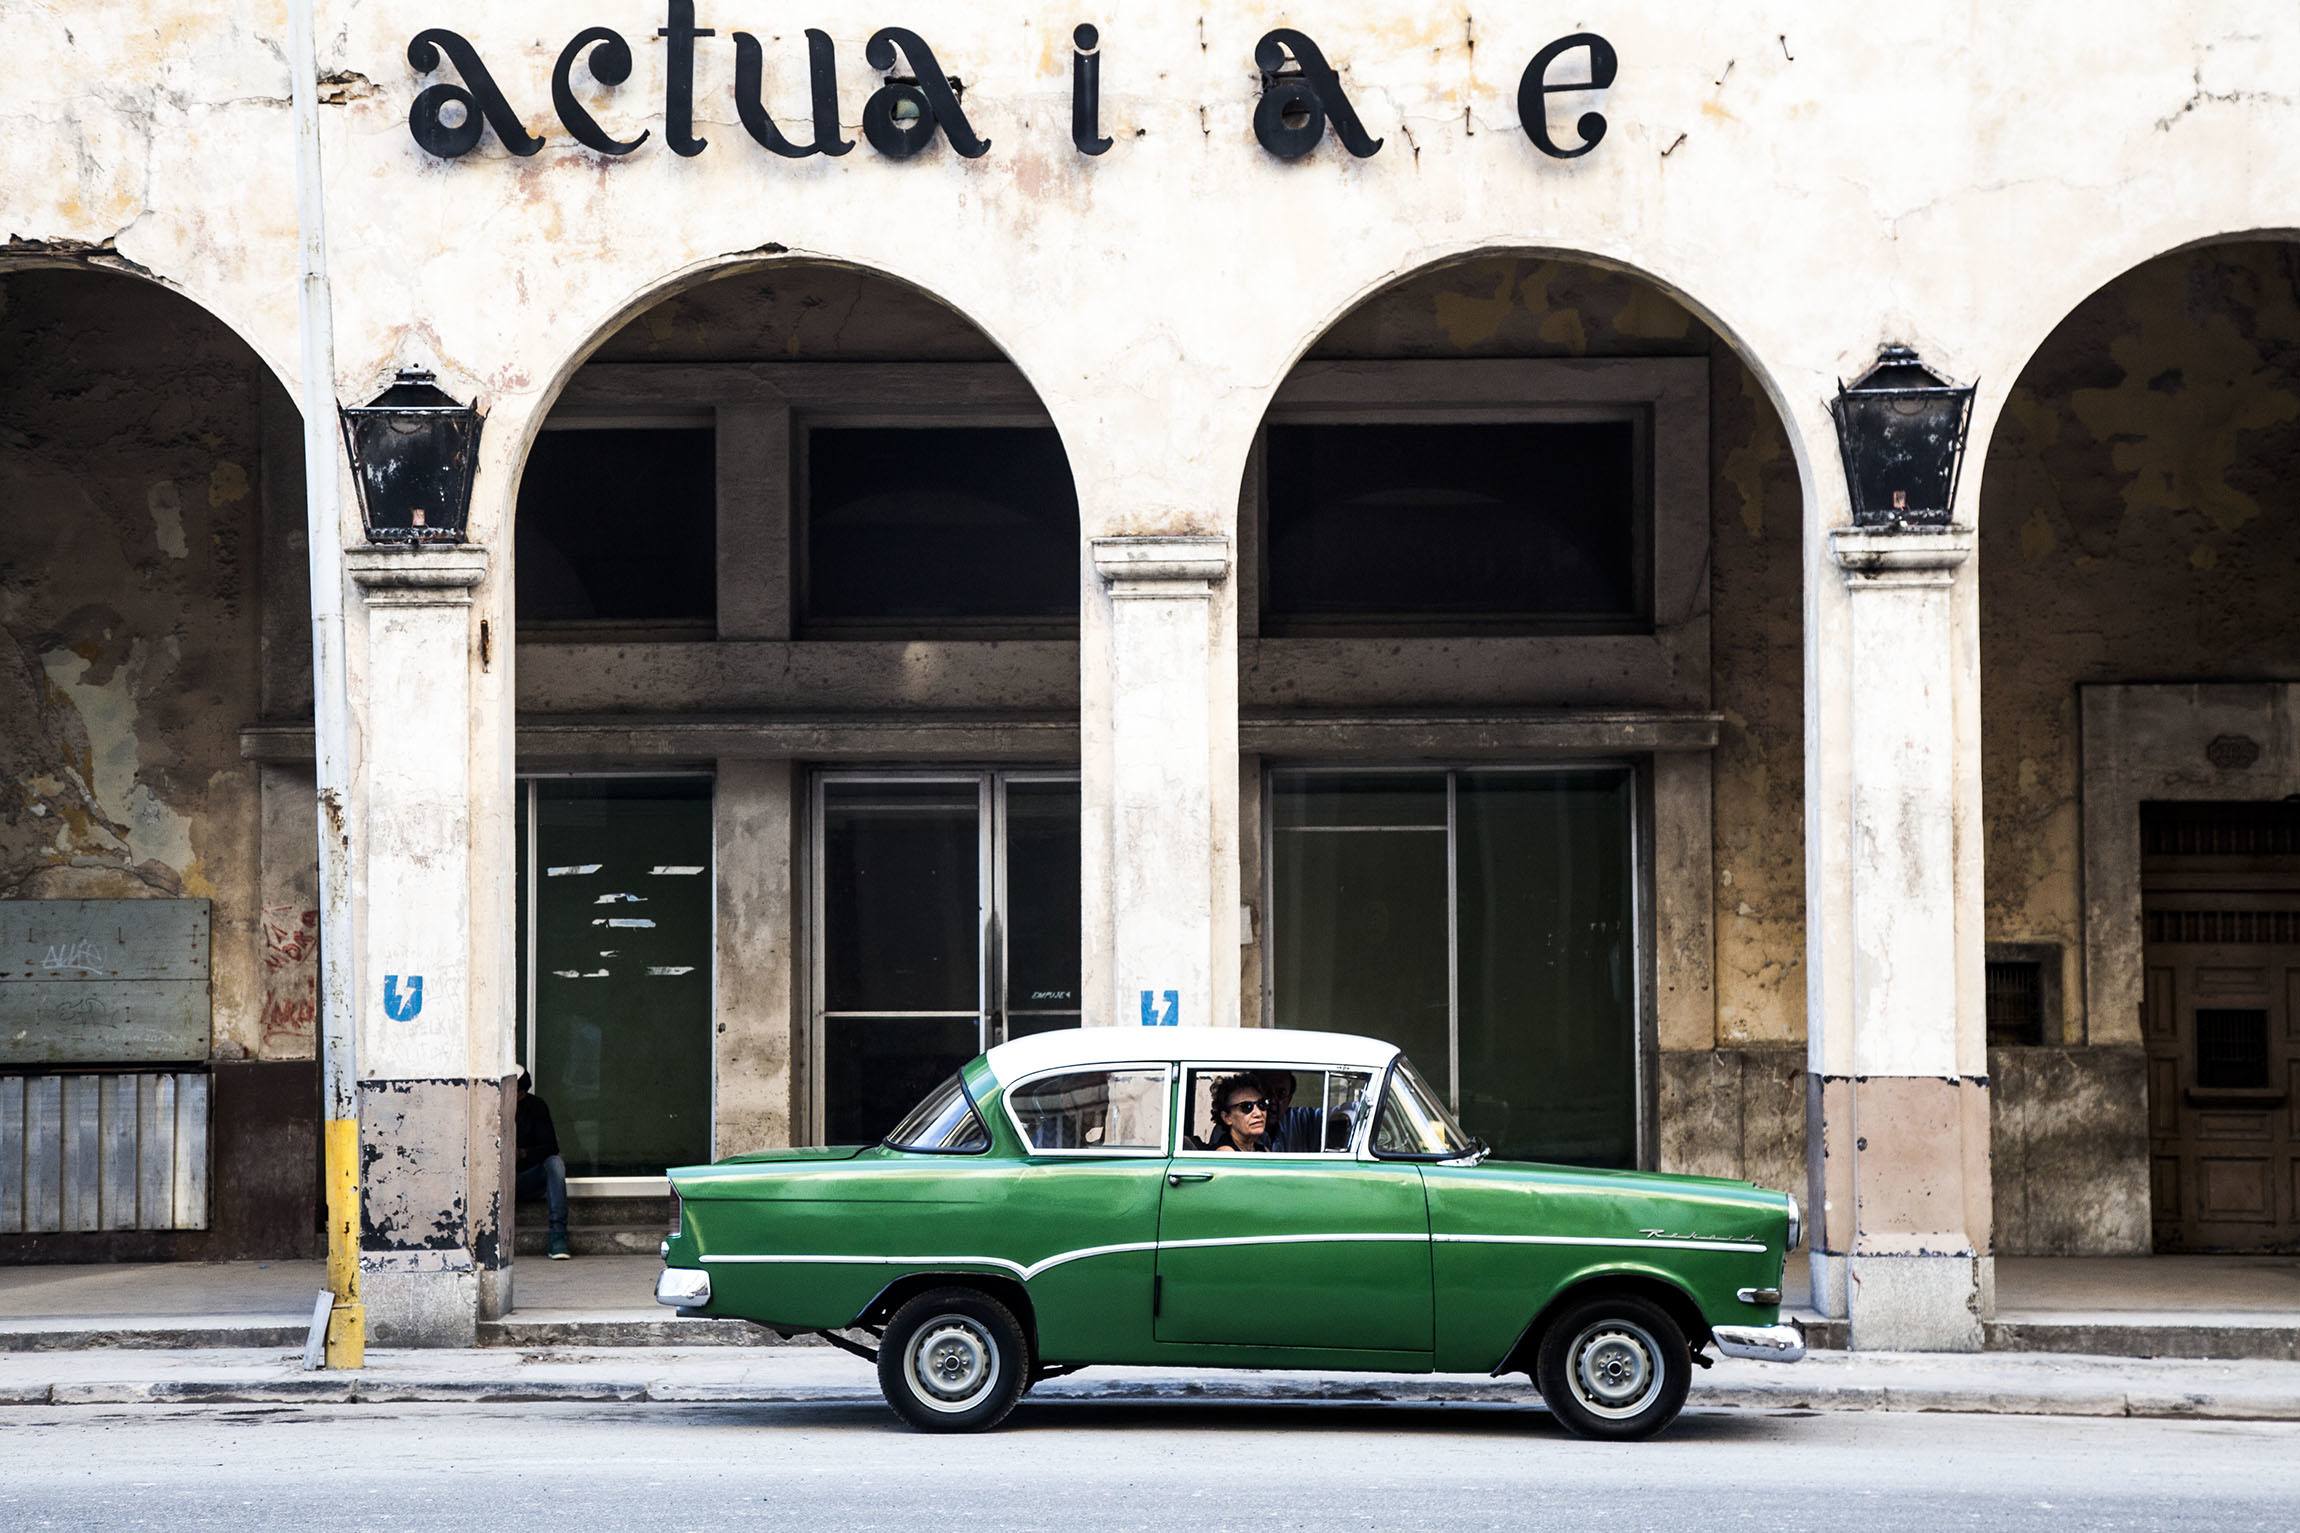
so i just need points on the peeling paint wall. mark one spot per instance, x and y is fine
(129, 609)
(2138, 523)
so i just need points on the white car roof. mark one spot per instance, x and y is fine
(1216, 1045)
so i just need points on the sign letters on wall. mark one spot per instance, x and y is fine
(1302, 100)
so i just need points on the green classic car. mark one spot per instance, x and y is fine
(1079, 1197)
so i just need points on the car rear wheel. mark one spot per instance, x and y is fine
(953, 1360)
(1614, 1367)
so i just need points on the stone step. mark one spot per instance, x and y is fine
(2219, 1337)
(589, 1239)
(164, 1333)
(620, 1328)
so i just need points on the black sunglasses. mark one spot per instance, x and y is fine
(1251, 1104)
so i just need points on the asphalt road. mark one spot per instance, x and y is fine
(1190, 1467)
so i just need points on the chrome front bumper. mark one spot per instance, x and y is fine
(683, 1288)
(1765, 1343)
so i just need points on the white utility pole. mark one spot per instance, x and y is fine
(331, 715)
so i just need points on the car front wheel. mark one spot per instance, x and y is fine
(953, 1360)
(1614, 1367)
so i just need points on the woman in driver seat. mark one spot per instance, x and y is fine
(1241, 1115)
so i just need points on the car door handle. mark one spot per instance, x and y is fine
(1177, 1178)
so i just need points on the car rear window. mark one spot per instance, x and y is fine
(944, 1124)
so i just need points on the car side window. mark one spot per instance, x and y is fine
(1303, 1111)
(1093, 1110)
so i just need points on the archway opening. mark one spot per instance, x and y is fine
(2140, 562)
(157, 854)
(798, 581)
(1522, 714)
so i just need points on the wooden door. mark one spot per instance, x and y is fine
(2222, 1027)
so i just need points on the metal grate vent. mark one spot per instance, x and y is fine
(2220, 829)
(2224, 926)
(2015, 1002)
(2231, 1048)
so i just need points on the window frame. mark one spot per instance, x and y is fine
(1356, 1153)
(1644, 975)
(805, 421)
(1670, 394)
(1031, 1151)
(592, 630)
(525, 807)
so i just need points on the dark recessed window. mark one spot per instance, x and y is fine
(2015, 1003)
(2231, 1048)
(1524, 524)
(940, 525)
(619, 526)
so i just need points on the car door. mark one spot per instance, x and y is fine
(1305, 1247)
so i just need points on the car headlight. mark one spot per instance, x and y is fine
(1796, 1225)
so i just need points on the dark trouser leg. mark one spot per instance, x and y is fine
(547, 1181)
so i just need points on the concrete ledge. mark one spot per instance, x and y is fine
(172, 1334)
(621, 1330)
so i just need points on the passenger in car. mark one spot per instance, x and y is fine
(1241, 1115)
(1299, 1130)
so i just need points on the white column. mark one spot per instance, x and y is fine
(1161, 767)
(1900, 1132)
(431, 1195)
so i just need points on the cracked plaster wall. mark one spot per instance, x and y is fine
(130, 589)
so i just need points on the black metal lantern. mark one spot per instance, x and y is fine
(412, 454)
(1902, 432)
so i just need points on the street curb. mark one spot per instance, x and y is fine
(328, 1389)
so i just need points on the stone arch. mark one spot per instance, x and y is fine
(1723, 1036)
(598, 332)
(2137, 550)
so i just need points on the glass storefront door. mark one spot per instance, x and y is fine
(1485, 921)
(615, 943)
(946, 919)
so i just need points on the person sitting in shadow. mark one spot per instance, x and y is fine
(542, 1173)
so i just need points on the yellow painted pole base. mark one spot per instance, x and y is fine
(347, 1321)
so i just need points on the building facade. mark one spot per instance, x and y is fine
(1323, 519)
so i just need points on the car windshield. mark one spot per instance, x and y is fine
(1414, 1120)
(943, 1124)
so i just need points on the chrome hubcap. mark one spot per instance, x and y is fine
(953, 1363)
(1616, 1368)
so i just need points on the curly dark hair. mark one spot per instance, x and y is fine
(1222, 1089)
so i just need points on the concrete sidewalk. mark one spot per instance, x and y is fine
(1998, 1383)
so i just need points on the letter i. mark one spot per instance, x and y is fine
(1086, 91)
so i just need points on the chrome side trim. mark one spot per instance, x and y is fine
(1030, 1270)
(1758, 1295)
(1763, 1343)
(1654, 1243)
(683, 1288)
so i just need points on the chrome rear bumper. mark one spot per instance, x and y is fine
(1765, 1343)
(683, 1288)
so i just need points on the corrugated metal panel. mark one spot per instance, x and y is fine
(103, 981)
(191, 1149)
(83, 1151)
(11, 1154)
(44, 1153)
(103, 1152)
(155, 1151)
(116, 1203)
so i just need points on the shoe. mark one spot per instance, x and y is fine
(559, 1251)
